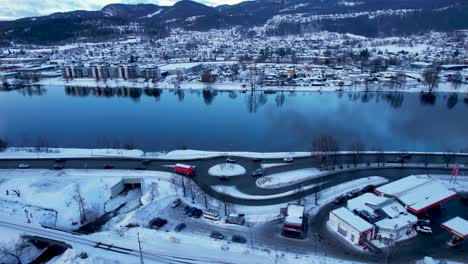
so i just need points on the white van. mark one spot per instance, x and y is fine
(211, 215)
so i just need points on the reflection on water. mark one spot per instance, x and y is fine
(155, 119)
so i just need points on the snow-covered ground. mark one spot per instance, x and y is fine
(30, 152)
(273, 165)
(48, 195)
(288, 178)
(226, 170)
(234, 192)
(200, 154)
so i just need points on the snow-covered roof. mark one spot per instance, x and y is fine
(295, 210)
(397, 222)
(457, 225)
(417, 193)
(366, 202)
(183, 165)
(353, 220)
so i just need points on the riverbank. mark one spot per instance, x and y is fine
(410, 87)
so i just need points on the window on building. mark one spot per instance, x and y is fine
(342, 231)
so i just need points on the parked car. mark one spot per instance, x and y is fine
(60, 160)
(288, 159)
(257, 172)
(187, 209)
(108, 166)
(230, 160)
(180, 227)
(369, 188)
(176, 203)
(340, 199)
(191, 212)
(197, 213)
(158, 222)
(58, 167)
(140, 168)
(23, 166)
(216, 235)
(423, 229)
(238, 239)
(224, 178)
(211, 214)
(423, 222)
(146, 161)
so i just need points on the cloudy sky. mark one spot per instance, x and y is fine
(11, 9)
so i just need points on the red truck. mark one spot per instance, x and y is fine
(185, 169)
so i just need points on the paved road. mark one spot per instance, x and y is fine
(246, 183)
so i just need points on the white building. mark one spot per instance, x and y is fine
(350, 226)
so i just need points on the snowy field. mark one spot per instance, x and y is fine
(285, 179)
(226, 170)
(39, 189)
(273, 165)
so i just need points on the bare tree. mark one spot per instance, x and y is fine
(42, 144)
(193, 191)
(78, 198)
(449, 157)
(153, 190)
(400, 79)
(15, 249)
(3, 144)
(431, 78)
(379, 156)
(324, 147)
(227, 208)
(357, 147)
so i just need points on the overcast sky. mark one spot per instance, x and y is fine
(11, 9)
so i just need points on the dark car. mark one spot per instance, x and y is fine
(180, 227)
(216, 235)
(464, 198)
(340, 199)
(238, 239)
(257, 172)
(146, 161)
(58, 167)
(108, 166)
(369, 188)
(140, 168)
(158, 222)
(224, 178)
(187, 209)
(405, 156)
(60, 160)
(197, 213)
(191, 212)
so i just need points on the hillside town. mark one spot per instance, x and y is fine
(234, 60)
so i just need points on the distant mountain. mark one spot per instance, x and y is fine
(276, 17)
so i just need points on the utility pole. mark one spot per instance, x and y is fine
(139, 246)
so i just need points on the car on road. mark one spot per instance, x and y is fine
(176, 203)
(158, 222)
(257, 172)
(60, 160)
(423, 229)
(340, 199)
(108, 166)
(257, 159)
(216, 235)
(288, 159)
(180, 227)
(230, 160)
(405, 156)
(140, 168)
(224, 178)
(58, 167)
(238, 239)
(23, 166)
(146, 161)
(397, 160)
(197, 213)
